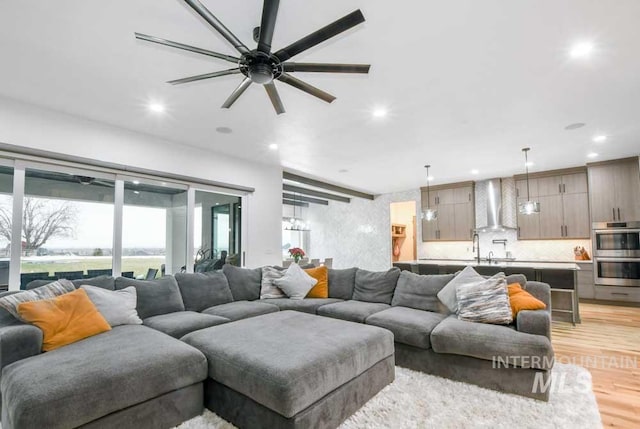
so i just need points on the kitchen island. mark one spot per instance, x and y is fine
(561, 276)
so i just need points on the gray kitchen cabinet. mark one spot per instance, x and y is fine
(614, 190)
(564, 206)
(586, 289)
(456, 212)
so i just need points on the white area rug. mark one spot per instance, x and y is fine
(417, 400)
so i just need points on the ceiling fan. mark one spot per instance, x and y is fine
(261, 65)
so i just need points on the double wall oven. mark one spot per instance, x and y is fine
(616, 248)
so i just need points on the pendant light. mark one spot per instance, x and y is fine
(429, 214)
(297, 223)
(528, 207)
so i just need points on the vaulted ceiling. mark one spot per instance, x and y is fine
(466, 83)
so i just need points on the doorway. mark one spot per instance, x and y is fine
(403, 231)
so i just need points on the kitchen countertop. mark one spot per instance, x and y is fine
(541, 265)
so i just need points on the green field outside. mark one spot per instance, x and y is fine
(138, 265)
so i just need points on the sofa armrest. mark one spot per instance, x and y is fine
(536, 322)
(19, 342)
(541, 291)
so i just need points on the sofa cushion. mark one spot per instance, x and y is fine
(244, 282)
(288, 361)
(118, 307)
(447, 294)
(268, 288)
(354, 311)
(409, 326)
(376, 286)
(485, 301)
(517, 278)
(10, 302)
(65, 319)
(181, 323)
(104, 282)
(241, 309)
(321, 289)
(489, 342)
(295, 283)
(160, 296)
(342, 283)
(203, 290)
(419, 291)
(100, 375)
(307, 305)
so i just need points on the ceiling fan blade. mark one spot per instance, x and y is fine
(275, 97)
(319, 36)
(269, 14)
(184, 47)
(204, 76)
(309, 89)
(237, 93)
(219, 26)
(326, 68)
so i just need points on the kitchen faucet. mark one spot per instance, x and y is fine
(490, 256)
(476, 246)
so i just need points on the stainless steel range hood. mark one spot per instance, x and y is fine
(494, 208)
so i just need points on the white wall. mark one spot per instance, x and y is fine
(34, 127)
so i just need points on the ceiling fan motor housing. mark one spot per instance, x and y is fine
(260, 68)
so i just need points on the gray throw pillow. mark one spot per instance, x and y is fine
(376, 286)
(420, 291)
(155, 297)
(244, 282)
(118, 307)
(104, 282)
(52, 290)
(485, 301)
(448, 293)
(268, 288)
(295, 283)
(517, 278)
(203, 290)
(342, 283)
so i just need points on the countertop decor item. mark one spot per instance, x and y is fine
(429, 214)
(581, 254)
(528, 207)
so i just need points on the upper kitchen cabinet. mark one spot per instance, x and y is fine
(615, 190)
(564, 205)
(456, 212)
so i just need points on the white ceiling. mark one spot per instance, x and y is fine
(467, 83)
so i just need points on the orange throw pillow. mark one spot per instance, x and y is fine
(520, 299)
(65, 319)
(321, 289)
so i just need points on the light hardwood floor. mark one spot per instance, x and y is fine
(611, 334)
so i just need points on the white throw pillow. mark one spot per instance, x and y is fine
(118, 307)
(447, 294)
(268, 288)
(296, 283)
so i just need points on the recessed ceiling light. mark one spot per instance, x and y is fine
(380, 112)
(136, 182)
(273, 146)
(474, 171)
(600, 139)
(581, 50)
(592, 155)
(574, 126)
(224, 130)
(157, 107)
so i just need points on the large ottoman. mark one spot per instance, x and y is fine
(293, 370)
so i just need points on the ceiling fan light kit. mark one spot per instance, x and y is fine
(263, 66)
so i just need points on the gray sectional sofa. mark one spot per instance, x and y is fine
(144, 376)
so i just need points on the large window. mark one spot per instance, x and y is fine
(154, 229)
(217, 230)
(67, 225)
(6, 218)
